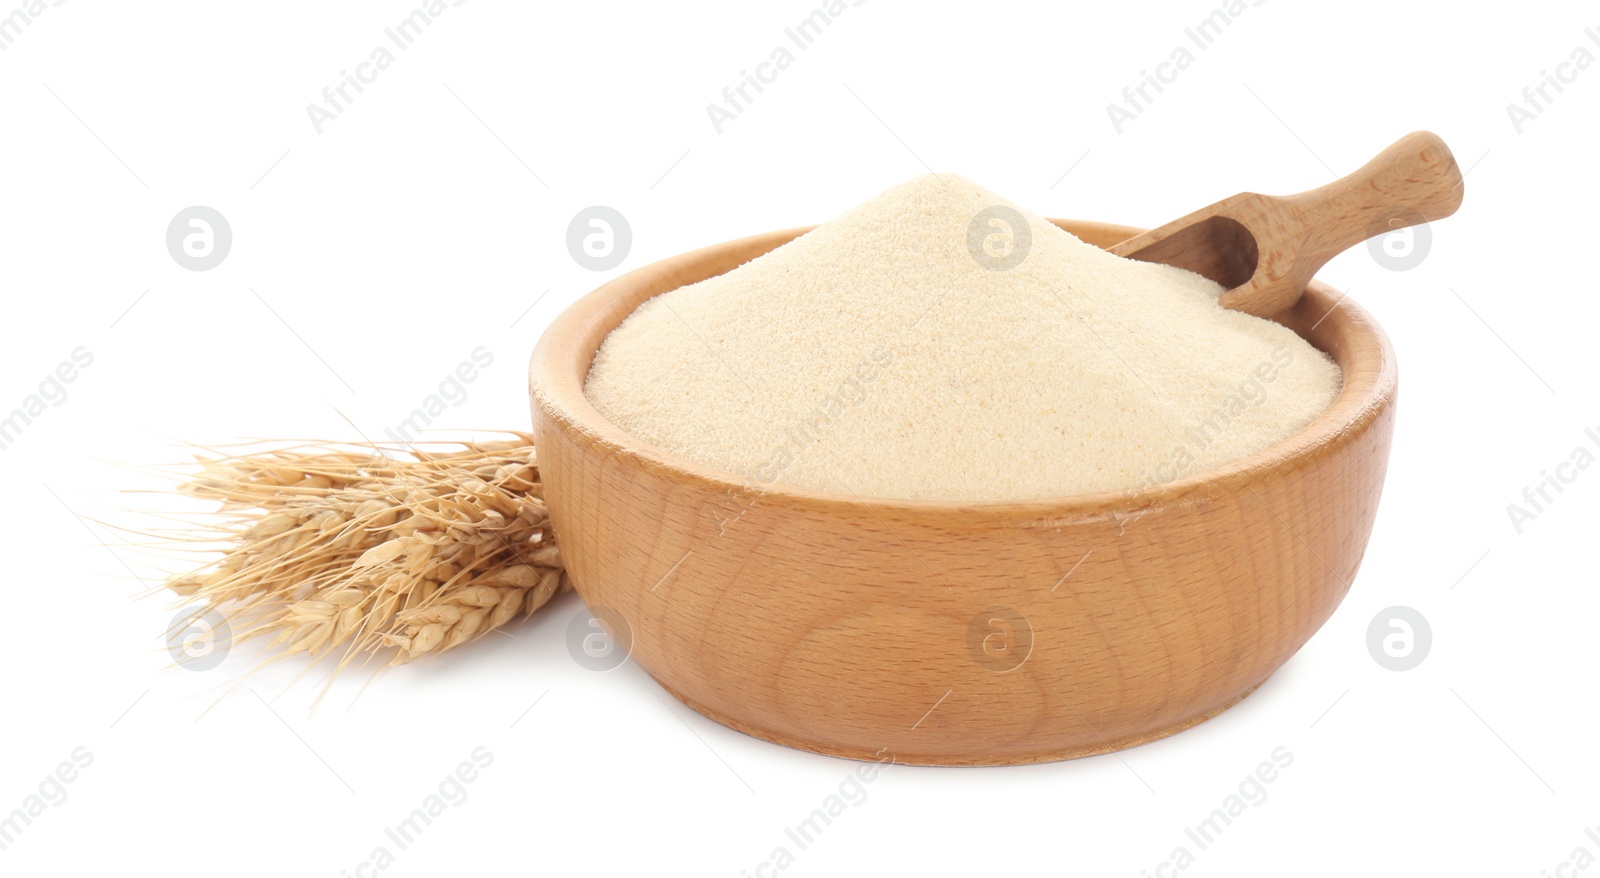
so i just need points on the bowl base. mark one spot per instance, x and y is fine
(858, 755)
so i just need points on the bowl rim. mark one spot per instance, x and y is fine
(561, 359)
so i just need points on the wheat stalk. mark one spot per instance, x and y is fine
(347, 550)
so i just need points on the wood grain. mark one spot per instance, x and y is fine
(1266, 248)
(867, 629)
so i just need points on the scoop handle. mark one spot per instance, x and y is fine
(1415, 180)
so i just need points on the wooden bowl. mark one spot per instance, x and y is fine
(958, 633)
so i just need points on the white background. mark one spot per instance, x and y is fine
(425, 220)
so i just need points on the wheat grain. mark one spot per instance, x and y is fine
(353, 551)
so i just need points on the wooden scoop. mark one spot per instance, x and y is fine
(1265, 248)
